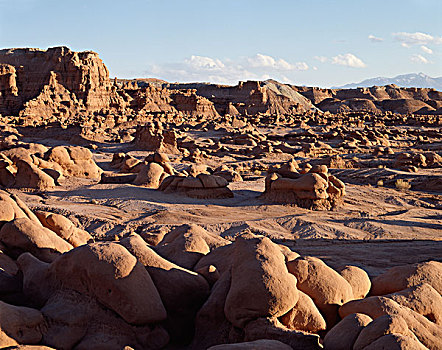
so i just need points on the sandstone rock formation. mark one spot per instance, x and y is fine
(186, 244)
(28, 72)
(38, 167)
(376, 99)
(313, 190)
(251, 97)
(203, 186)
(154, 137)
(262, 298)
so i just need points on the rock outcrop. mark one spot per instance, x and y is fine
(33, 75)
(376, 99)
(202, 186)
(315, 189)
(153, 137)
(37, 167)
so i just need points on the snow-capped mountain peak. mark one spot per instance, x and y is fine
(419, 80)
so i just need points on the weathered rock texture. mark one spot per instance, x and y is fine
(33, 76)
(376, 99)
(313, 190)
(201, 186)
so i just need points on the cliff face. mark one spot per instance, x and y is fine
(251, 97)
(83, 74)
(158, 99)
(43, 85)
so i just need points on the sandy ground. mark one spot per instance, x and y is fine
(375, 227)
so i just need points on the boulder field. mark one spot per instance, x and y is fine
(62, 289)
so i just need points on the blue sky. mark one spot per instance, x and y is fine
(308, 42)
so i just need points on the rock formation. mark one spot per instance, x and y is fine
(315, 189)
(377, 99)
(81, 75)
(201, 186)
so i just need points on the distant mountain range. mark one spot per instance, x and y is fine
(419, 80)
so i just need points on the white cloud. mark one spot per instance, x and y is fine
(417, 38)
(375, 39)
(301, 66)
(419, 59)
(348, 60)
(321, 59)
(260, 60)
(426, 49)
(264, 61)
(226, 71)
(201, 62)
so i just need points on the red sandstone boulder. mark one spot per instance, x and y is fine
(19, 325)
(304, 316)
(402, 277)
(109, 273)
(324, 285)
(64, 228)
(344, 334)
(75, 161)
(30, 176)
(186, 244)
(182, 291)
(261, 286)
(23, 235)
(358, 280)
(203, 186)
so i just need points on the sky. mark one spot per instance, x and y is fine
(304, 42)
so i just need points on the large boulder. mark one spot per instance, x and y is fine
(202, 186)
(314, 190)
(396, 342)
(24, 235)
(324, 285)
(19, 325)
(401, 277)
(75, 161)
(182, 291)
(357, 278)
(211, 324)
(36, 282)
(64, 228)
(261, 286)
(423, 299)
(30, 176)
(78, 321)
(150, 175)
(187, 243)
(109, 273)
(220, 258)
(428, 333)
(304, 316)
(379, 327)
(9, 210)
(344, 334)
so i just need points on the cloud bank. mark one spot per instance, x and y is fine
(202, 68)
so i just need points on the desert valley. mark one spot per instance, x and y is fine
(146, 214)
